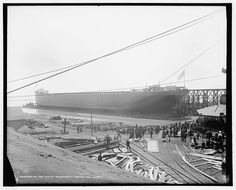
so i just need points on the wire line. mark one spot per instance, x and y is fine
(114, 52)
(147, 40)
(195, 58)
(137, 87)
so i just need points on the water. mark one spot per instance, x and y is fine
(99, 117)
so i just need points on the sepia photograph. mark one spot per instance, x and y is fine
(117, 94)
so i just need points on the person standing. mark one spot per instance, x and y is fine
(143, 132)
(163, 136)
(185, 136)
(100, 157)
(107, 141)
(128, 145)
(95, 140)
(151, 132)
(171, 131)
(119, 136)
(195, 140)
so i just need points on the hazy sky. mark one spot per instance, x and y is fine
(41, 39)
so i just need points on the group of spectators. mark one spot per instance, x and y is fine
(206, 129)
(175, 130)
(212, 123)
(216, 141)
(139, 132)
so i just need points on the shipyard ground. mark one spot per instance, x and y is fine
(35, 161)
(39, 161)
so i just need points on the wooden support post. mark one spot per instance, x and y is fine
(65, 123)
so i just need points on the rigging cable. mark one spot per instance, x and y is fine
(137, 87)
(195, 58)
(142, 42)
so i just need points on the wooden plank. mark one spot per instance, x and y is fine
(187, 154)
(193, 175)
(195, 160)
(185, 148)
(217, 168)
(212, 161)
(94, 151)
(97, 150)
(198, 177)
(174, 171)
(216, 172)
(201, 164)
(151, 160)
(91, 146)
(205, 156)
(209, 152)
(142, 144)
(192, 149)
(184, 176)
(213, 179)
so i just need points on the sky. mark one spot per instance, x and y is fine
(42, 38)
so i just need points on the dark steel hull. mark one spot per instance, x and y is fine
(120, 102)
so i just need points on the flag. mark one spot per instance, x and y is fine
(223, 70)
(181, 75)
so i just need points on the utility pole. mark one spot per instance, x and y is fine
(91, 124)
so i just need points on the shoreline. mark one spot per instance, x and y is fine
(123, 119)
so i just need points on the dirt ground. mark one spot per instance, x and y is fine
(39, 161)
(35, 158)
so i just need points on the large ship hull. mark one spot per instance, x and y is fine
(115, 102)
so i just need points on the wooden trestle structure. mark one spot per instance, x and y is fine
(199, 98)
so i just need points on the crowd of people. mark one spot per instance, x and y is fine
(216, 141)
(213, 123)
(174, 130)
(202, 128)
(201, 133)
(204, 133)
(139, 131)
